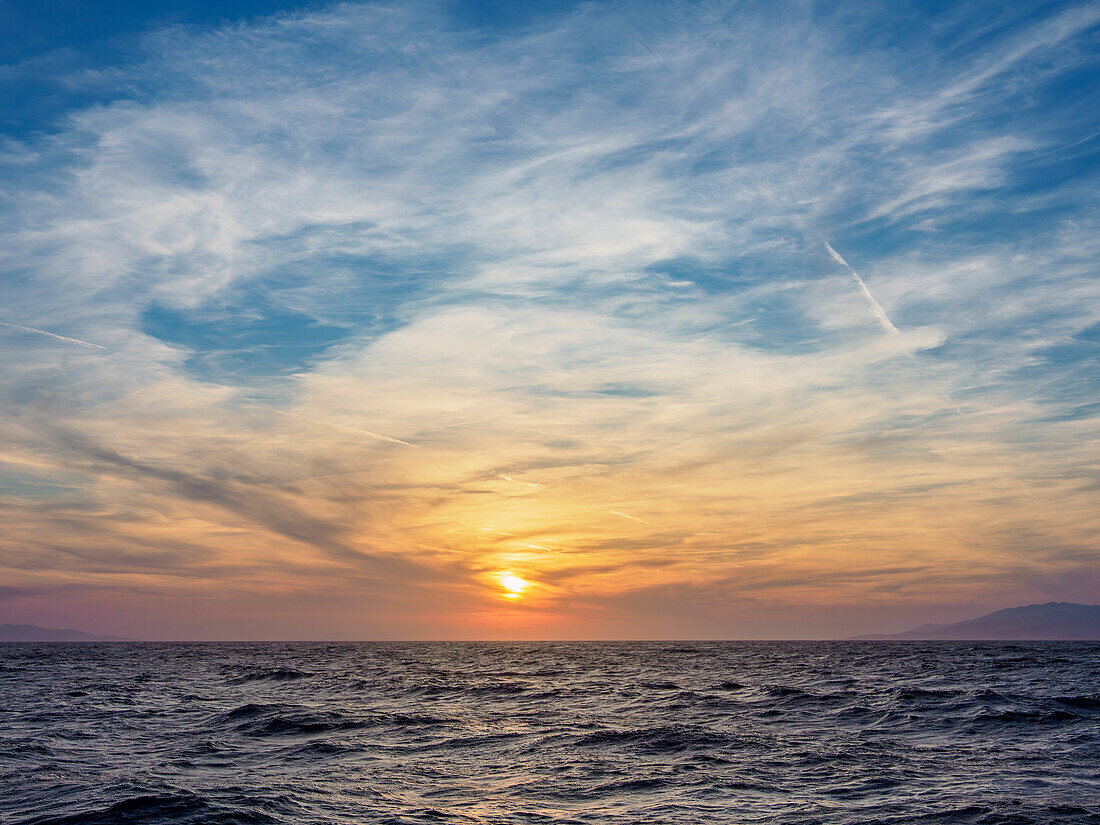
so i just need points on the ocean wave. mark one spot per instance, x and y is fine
(1025, 717)
(1082, 702)
(286, 720)
(729, 686)
(919, 694)
(281, 674)
(845, 734)
(660, 739)
(161, 810)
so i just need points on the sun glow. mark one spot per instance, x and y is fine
(513, 585)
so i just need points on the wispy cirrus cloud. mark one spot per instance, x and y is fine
(576, 266)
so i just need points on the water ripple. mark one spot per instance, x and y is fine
(799, 733)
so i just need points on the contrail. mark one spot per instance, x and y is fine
(880, 314)
(642, 43)
(76, 341)
(348, 429)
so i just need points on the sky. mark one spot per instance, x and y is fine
(609, 320)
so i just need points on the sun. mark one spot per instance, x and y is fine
(512, 584)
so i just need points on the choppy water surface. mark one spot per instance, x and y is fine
(571, 732)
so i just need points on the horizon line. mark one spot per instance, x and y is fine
(503, 641)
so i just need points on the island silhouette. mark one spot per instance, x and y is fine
(1053, 621)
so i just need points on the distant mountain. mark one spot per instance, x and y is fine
(1054, 621)
(30, 633)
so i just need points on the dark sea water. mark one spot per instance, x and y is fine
(735, 732)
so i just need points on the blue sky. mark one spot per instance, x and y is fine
(709, 320)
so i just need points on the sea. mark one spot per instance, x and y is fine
(556, 732)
